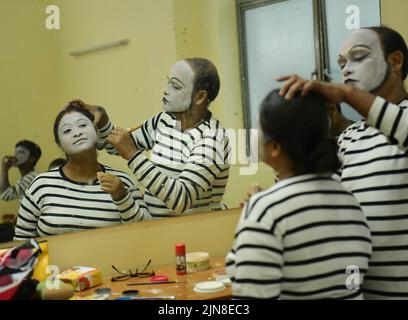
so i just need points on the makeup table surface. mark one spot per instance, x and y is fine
(182, 290)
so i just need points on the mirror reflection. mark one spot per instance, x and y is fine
(122, 79)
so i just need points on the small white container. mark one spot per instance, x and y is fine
(209, 287)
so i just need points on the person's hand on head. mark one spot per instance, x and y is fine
(121, 140)
(254, 188)
(294, 84)
(101, 117)
(113, 185)
(8, 162)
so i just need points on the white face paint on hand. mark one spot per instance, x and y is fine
(22, 154)
(179, 90)
(76, 133)
(362, 60)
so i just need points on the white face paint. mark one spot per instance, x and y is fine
(22, 154)
(179, 89)
(76, 133)
(362, 60)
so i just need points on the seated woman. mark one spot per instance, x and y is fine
(306, 237)
(82, 194)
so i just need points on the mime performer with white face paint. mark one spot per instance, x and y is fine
(25, 158)
(188, 169)
(81, 194)
(374, 63)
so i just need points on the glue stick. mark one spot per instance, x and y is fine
(181, 266)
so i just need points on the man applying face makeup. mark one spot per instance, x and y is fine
(188, 169)
(374, 62)
(25, 158)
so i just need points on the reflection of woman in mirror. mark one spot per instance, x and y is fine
(82, 194)
(25, 158)
(296, 239)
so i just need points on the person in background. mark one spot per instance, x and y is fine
(25, 158)
(57, 163)
(82, 194)
(299, 238)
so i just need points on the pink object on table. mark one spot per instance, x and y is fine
(159, 278)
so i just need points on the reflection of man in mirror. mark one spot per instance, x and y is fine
(188, 169)
(25, 158)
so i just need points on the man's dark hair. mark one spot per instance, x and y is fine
(391, 42)
(35, 150)
(68, 109)
(206, 77)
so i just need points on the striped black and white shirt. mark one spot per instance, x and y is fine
(391, 119)
(17, 191)
(375, 170)
(187, 171)
(54, 204)
(300, 239)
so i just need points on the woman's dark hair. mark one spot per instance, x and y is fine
(68, 109)
(57, 163)
(301, 127)
(391, 42)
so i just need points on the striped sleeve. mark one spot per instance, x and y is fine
(179, 194)
(143, 137)
(27, 218)
(132, 207)
(17, 191)
(103, 134)
(391, 120)
(255, 262)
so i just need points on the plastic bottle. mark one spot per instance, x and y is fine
(181, 267)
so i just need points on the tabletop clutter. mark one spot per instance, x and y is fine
(78, 279)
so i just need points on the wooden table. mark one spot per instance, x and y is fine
(182, 290)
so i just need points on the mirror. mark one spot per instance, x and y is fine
(48, 58)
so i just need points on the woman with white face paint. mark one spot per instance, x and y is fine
(25, 158)
(81, 194)
(188, 168)
(374, 151)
